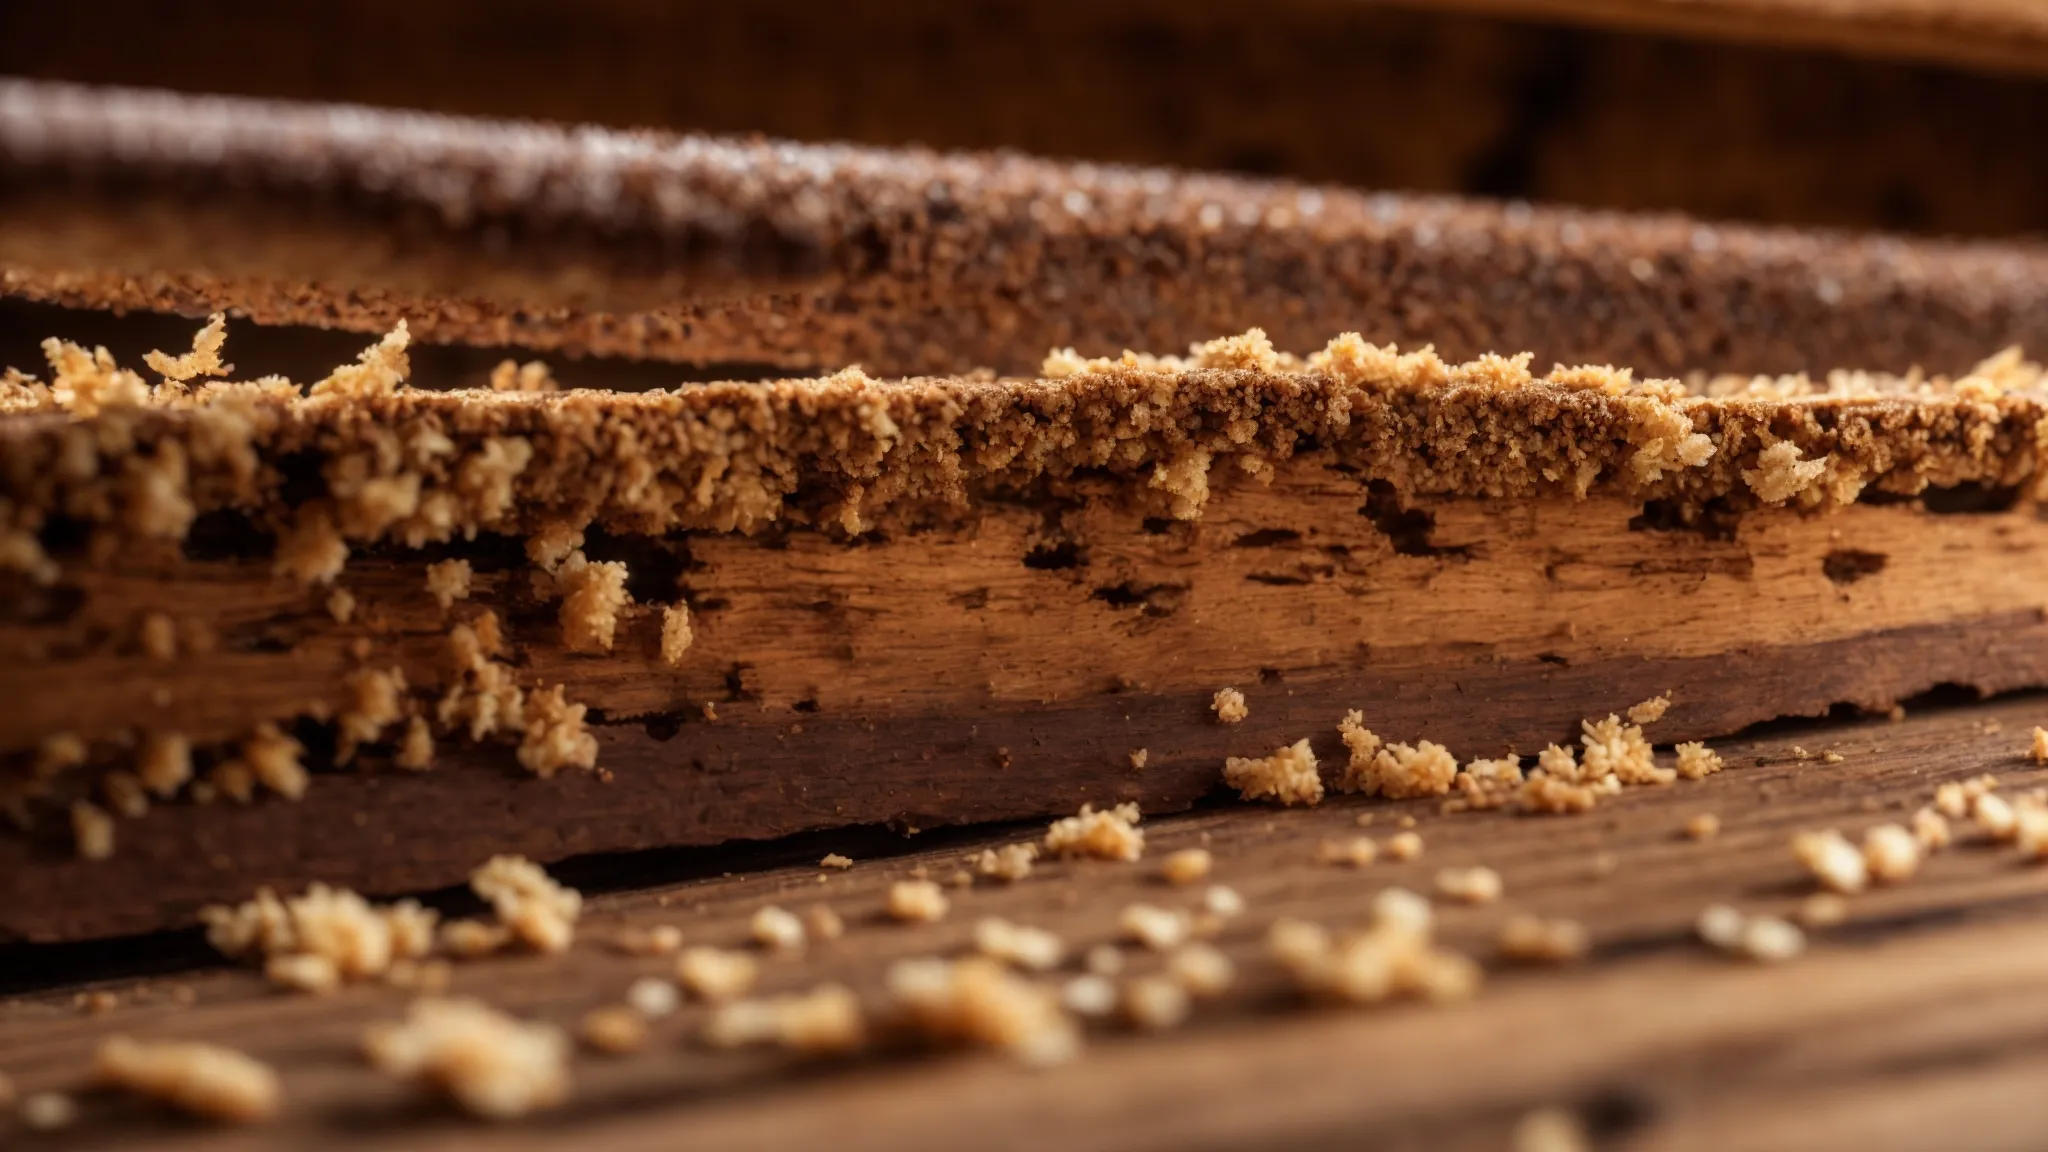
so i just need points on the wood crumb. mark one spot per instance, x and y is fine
(1550, 1130)
(1407, 772)
(1288, 775)
(1478, 885)
(1830, 756)
(1354, 851)
(1361, 746)
(341, 605)
(824, 923)
(1201, 970)
(593, 597)
(1891, 854)
(1612, 747)
(1156, 928)
(980, 1001)
(1650, 711)
(158, 637)
(165, 764)
(1139, 758)
(1222, 900)
(777, 929)
(1032, 949)
(917, 901)
(2038, 750)
(825, 1020)
(201, 1079)
(676, 633)
(1764, 939)
(1104, 960)
(648, 940)
(1931, 829)
(448, 581)
(653, 997)
(1090, 995)
(1832, 859)
(491, 1064)
(1009, 863)
(92, 830)
(1696, 761)
(614, 1029)
(540, 912)
(1155, 1002)
(715, 974)
(1394, 956)
(47, 1111)
(1404, 846)
(1112, 834)
(1823, 910)
(307, 972)
(1229, 706)
(416, 747)
(1534, 940)
(1994, 816)
(1703, 826)
(1187, 866)
(835, 860)
(473, 939)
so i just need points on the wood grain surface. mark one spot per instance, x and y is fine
(1002, 667)
(1920, 1022)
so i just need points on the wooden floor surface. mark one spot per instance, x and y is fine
(1921, 1022)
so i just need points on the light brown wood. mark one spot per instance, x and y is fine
(1916, 1023)
(998, 666)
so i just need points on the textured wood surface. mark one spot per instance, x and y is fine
(1005, 667)
(1918, 1023)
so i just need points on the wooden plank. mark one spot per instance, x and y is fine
(1917, 1022)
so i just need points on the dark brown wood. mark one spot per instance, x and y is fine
(1916, 1023)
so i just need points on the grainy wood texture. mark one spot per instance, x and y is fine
(1920, 1022)
(1006, 667)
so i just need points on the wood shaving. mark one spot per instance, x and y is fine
(716, 975)
(1032, 949)
(615, 1029)
(1535, 940)
(448, 581)
(1650, 711)
(1229, 706)
(201, 1079)
(491, 1064)
(1156, 928)
(1288, 775)
(980, 1001)
(1112, 834)
(1478, 885)
(917, 901)
(825, 1020)
(1832, 859)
